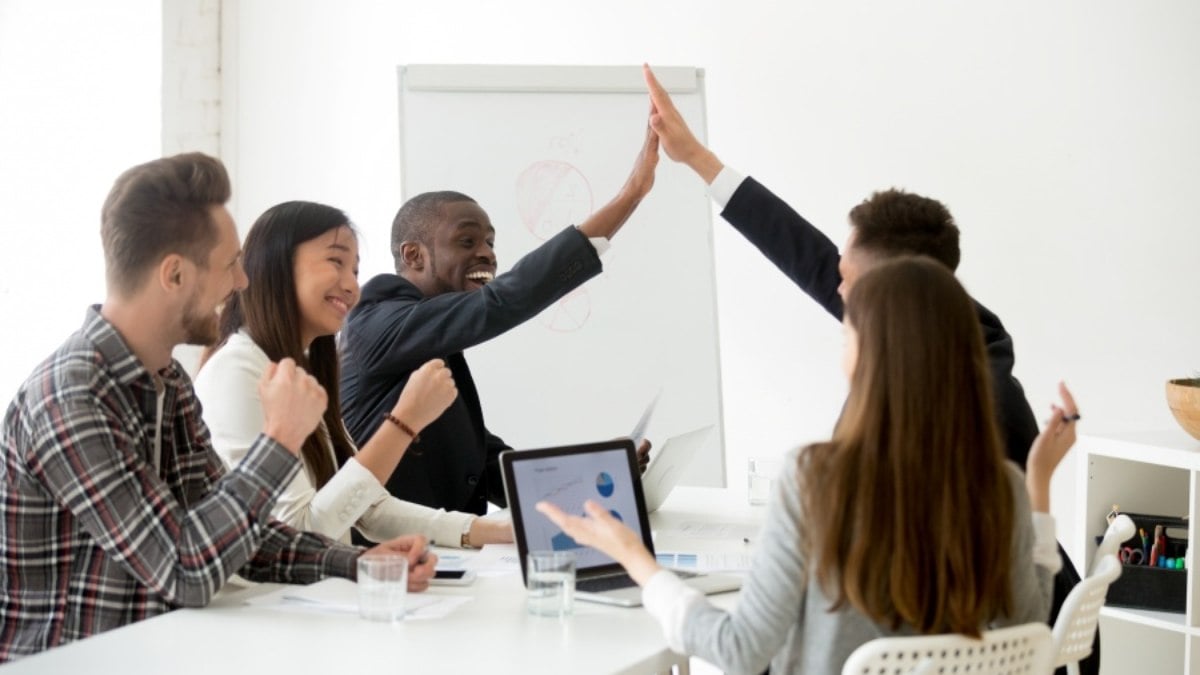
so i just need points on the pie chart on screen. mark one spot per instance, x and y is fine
(604, 484)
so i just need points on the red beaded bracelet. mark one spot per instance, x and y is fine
(402, 426)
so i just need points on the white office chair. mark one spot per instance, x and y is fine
(1119, 531)
(1025, 650)
(1075, 628)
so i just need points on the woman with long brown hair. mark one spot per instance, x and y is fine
(301, 259)
(908, 521)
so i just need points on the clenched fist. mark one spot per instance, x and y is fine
(429, 391)
(293, 402)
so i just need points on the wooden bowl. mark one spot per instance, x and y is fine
(1183, 396)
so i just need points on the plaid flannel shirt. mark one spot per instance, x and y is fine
(94, 536)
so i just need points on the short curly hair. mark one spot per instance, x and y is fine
(894, 222)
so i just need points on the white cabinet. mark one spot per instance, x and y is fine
(1147, 472)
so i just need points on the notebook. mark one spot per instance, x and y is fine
(669, 464)
(567, 476)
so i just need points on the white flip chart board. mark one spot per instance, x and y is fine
(540, 148)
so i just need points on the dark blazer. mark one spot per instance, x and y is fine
(810, 259)
(394, 329)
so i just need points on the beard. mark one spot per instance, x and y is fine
(199, 328)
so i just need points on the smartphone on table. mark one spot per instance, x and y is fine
(452, 578)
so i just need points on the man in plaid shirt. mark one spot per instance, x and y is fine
(113, 505)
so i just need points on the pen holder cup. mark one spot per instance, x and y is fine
(1142, 586)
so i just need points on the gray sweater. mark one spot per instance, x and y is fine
(782, 617)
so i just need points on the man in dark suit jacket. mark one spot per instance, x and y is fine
(444, 298)
(888, 224)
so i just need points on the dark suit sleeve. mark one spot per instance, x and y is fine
(405, 335)
(797, 248)
(1013, 414)
(495, 481)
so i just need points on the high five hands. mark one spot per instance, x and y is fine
(674, 136)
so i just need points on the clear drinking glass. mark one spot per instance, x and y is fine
(761, 473)
(382, 587)
(551, 587)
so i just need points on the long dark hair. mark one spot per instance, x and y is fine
(908, 510)
(270, 313)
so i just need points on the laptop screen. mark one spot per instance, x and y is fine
(567, 477)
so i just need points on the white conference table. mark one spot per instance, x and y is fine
(492, 633)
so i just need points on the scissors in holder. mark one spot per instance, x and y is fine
(1132, 556)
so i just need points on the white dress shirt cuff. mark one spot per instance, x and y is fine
(1045, 547)
(600, 244)
(669, 601)
(724, 185)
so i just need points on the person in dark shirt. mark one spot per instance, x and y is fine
(446, 297)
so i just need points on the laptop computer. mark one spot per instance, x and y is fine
(567, 476)
(668, 465)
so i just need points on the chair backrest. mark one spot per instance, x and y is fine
(1119, 531)
(1075, 627)
(1017, 650)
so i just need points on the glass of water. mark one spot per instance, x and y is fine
(761, 473)
(382, 586)
(551, 583)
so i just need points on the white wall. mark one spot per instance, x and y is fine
(191, 94)
(1062, 136)
(79, 103)
(191, 76)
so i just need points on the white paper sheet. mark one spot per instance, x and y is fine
(639, 430)
(495, 560)
(695, 530)
(704, 562)
(340, 596)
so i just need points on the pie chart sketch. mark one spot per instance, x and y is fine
(551, 195)
(568, 314)
(604, 484)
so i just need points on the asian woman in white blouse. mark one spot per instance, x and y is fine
(302, 262)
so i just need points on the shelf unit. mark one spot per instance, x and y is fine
(1146, 472)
